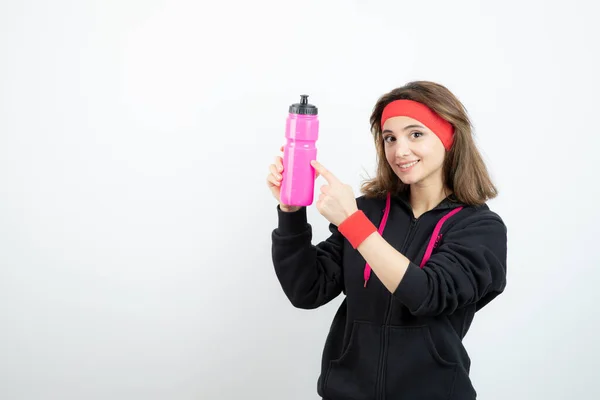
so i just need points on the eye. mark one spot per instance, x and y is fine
(389, 139)
(416, 134)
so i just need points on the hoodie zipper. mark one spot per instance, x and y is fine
(388, 314)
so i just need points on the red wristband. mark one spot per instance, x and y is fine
(356, 228)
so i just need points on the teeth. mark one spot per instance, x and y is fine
(408, 165)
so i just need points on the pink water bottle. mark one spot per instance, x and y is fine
(301, 133)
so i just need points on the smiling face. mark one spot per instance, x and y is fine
(415, 153)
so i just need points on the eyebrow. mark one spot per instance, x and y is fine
(404, 129)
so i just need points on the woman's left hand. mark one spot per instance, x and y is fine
(337, 201)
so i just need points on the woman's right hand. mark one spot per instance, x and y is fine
(274, 183)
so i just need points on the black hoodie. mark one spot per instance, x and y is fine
(406, 344)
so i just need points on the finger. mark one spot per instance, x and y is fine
(274, 172)
(329, 177)
(320, 200)
(279, 163)
(324, 189)
(273, 181)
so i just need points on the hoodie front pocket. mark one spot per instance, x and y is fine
(414, 368)
(354, 374)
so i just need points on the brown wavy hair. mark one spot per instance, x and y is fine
(464, 171)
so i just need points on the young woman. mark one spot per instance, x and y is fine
(436, 251)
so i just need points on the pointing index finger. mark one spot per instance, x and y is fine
(324, 172)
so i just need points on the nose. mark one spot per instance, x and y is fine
(402, 149)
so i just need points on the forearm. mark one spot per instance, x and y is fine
(309, 275)
(468, 267)
(386, 262)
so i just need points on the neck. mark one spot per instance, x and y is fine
(426, 196)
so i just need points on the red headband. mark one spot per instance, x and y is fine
(419, 111)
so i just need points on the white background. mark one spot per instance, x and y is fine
(135, 220)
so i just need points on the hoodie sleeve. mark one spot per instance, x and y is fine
(469, 267)
(310, 275)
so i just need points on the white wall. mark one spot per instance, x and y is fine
(133, 134)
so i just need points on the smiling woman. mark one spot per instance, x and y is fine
(447, 134)
(423, 227)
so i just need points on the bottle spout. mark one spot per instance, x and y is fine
(303, 108)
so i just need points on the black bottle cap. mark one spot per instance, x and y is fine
(303, 107)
